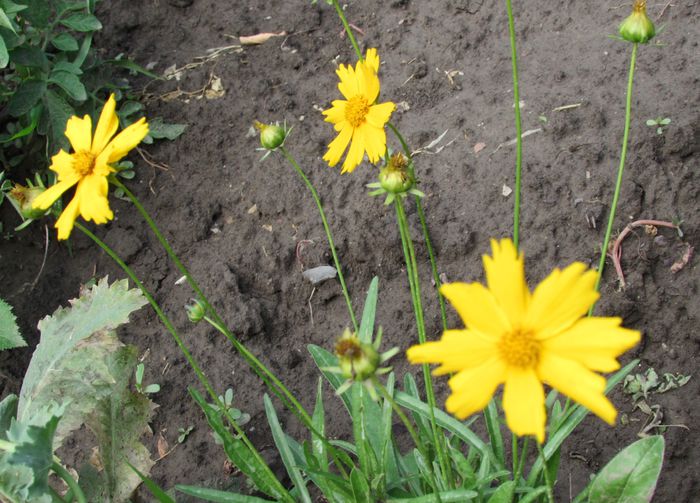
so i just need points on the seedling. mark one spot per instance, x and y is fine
(144, 390)
(184, 433)
(227, 399)
(659, 123)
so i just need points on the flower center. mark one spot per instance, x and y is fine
(519, 349)
(640, 6)
(83, 162)
(356, 111)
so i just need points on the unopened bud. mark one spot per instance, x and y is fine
(638, 28)
(196, 311)
(394, 177)
(357, 361)
(22, 198)
(271, 135)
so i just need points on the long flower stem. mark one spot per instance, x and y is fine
(414, 283)
(620, 170)
(519, 460)
(73, 486)
(188, 356)
(424, 226)
(545, 471)
(348, 30)
(326, 227)
(518, 125)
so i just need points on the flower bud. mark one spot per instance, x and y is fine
(638, 28)
(22, 198)
(271, 135)
(394, 177)
(357, 361)
(195, 311)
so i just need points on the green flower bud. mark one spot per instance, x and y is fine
(196, 311)
(357, 361)
(271, 135)
(22, 198)
(638, 28)
(394, 177)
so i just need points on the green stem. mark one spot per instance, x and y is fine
(326, 227)
(348, 30)
(424, 226)
(414, 283)
(411, 431)
(547, 480)
(178, 340)
(620, 170)
(521, 460)
(73, 486)
(518, 125)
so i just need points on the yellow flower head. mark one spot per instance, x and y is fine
(524, 339)
(89, 166)
(357, 119)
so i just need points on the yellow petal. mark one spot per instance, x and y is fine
(457, 350)
(574, 380)
(348, 85)
(379, 115)
(477, 307)
(65, 222)
(368, 83)
(505, 276)
(561, 299)
(125, 141)
(92, 199)
(336, 114)
(375, 142)
(338, 146)
(372, 60)
(106, 126)
(46, 199)
(62, 165)
(79, 133)
(473, 388)
(523, 403)
(356, 152)
(594, 342)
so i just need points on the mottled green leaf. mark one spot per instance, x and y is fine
(631, 476)
(58, 111)
(4, 55)
(65, 42)
(26, 96)
(82, 22)
(9, 331)
(30, 56)
(70, 83)
(38, 13)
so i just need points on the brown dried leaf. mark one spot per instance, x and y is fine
(683, 261)
(260, 38)
(162, 446)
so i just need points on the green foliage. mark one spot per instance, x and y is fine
(659, 123)
(631, 476)
(9, 331)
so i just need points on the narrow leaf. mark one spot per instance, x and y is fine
(368, 314)
(218, 496)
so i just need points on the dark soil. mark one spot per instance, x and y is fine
(236, 221)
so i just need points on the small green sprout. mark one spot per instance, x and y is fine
(183, 433)
(144, 390)
(659, 123)
(227, 399)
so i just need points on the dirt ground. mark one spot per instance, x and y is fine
(237, 221)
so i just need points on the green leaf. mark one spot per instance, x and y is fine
(72, 360)
(25, 97)
(30, 56)
(58, 112)
(504, 494)
(284, 451)
(4, 55)
(493, 427)
(631, 476)
(38, 13)
(82, 22)
(9, 331)
(368, 313)
(319, 423)
(218, 496)
(8, 411)
(157, 129)
(155, 489)
(70, 84)
(66, 66)
(5, 21)
(360, 488)
(15, 481)
(324, 360)
(454, 496)
(65, 42)
(11, 8)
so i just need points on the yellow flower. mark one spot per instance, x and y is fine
(357, 119)
(525, 339)
(89, 166)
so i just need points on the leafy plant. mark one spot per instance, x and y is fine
(183, 433)
(9, 331)
(138, 377)
(659, 123)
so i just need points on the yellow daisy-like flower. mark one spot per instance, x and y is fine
(524, 339)
(89, 166)
(357, 119)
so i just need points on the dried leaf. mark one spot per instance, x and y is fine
(260, 38)
(162, 446)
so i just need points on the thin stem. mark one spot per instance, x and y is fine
(620, 170)
(411, 431)
(518, 126)
(73, 486)
(326, 227)
(547, 480)
(348, 30)
(521, 462)
(178, 340)
(414, 283)
(424, 226)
